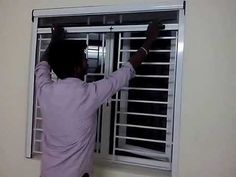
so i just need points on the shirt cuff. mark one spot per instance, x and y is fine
(43, 64)
(131, 68)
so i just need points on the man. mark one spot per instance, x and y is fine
(69, 105)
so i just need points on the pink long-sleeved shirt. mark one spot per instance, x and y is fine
(69, 109)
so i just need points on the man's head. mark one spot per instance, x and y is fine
(67, 58)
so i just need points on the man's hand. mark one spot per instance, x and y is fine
(58, 34)
(153, 30)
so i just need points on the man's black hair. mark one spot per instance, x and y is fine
(65, 56)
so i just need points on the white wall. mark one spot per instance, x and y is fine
(208, 146)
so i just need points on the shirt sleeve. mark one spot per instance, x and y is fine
(42, 73)
(106, 87)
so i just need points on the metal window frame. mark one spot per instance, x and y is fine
(178, 96)
(106, 121)
(29, 131)
(110, 10)
(107, 9)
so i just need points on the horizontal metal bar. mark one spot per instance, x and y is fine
(44, 39)
(146, 150)
(49, 39)
(143, 38)
(143, 153)
(106, 29)
(152, 63)
(79, 39)
(87, 29)
(153, 51)
(143, 139)
(39, 141)
(162, 165)
(157, 63)
(109, 9)
(140, 162)
(142, 114)
(141, 126)
(94, 74)
(38, 129)
(153, 76)
(141, 101)
(145, 89)
(37, 152)
(130, 28)
(39, 118)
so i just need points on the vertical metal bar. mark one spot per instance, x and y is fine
(103, 53)
(119, 47)
(88, 20)
(87, 42)
(39, 51)
(116, 104)
(98, 52)
(170, 108)
(105, 132)
(111, 58)
(124, 93)
(104, 20)
(98, 145)
(121, 19)
(35, 101)
(102, 72)
(111, 53)
(178, 97)
(28, 150)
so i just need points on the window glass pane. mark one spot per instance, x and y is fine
(148, 108)
(127, 19)
(153, 70)
(96, 52)
(112, 19)
(149, 82)
(144, 18)
(96, 20)
(146, 95)
(64, 21)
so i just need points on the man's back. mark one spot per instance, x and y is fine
(69, 128)
(69, 110)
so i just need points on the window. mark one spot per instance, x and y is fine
(137, 125)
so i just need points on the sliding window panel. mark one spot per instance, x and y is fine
(144, 108)
(96, 54)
